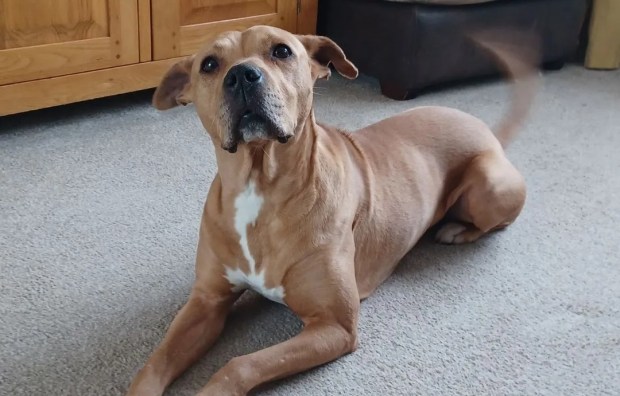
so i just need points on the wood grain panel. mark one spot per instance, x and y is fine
(204, 11)
(22, 64)
(144, 28)
(119, 46)
(207, 18)
(124, 31)
(166, 18)
(287, 10)
(306, 19)
(195, 36)
(36, 22)
(55, 91)
(2, 26)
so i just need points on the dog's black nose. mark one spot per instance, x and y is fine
(243, 76)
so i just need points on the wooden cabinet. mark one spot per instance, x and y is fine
(48, 38)
(60, 51)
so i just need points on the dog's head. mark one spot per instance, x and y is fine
(253, 86)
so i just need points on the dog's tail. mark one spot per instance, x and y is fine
(518, 54)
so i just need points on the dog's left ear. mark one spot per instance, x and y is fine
(324, 51)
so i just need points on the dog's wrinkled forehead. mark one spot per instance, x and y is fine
(234, 46)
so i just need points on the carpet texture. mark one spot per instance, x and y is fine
(100, 205)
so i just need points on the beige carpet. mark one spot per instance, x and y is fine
(99, 210)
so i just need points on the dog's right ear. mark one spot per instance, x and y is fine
(322, 52)
(175, 88)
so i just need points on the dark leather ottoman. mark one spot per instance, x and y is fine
(410, 45)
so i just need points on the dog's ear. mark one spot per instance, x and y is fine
(324, 51)
(175, 88)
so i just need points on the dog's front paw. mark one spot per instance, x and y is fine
(220, 389)
(455, 233)
(146, 384)
(225, 382)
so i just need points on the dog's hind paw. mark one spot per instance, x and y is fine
(456, 233)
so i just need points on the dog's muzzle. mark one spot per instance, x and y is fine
(252, 119)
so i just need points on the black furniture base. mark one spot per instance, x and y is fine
(410, 46)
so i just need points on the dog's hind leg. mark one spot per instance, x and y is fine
(489, 197)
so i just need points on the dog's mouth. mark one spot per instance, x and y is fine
(254, 127)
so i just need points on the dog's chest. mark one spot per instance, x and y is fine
(247, 208)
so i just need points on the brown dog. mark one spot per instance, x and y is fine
(310, 216)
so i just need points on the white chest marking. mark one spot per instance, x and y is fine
(247, 207)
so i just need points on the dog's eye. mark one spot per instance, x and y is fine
(282, 51)
(209, 64)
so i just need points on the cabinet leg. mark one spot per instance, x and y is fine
(554, 65)
(396, 91)
(604, 42)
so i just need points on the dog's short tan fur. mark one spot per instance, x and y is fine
(338, 210)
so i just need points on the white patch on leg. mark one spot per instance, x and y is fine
(450, 232)
(247, 208)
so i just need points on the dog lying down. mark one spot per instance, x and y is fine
(314, 218)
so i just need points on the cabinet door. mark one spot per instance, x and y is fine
(181, 27)
(47, 38)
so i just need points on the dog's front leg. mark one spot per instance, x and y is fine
(318, 343)
(194, 329)
(192, 332)
(329, 309)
